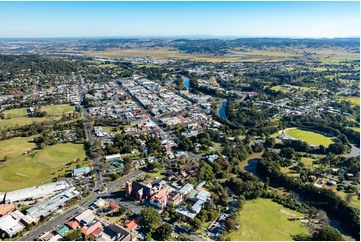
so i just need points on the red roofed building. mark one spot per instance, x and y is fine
(131, 224)
(6, 209)
(180, 117)
(251, 93)
(96, 234)
(88, 230)
(73, 224)
(160, 198)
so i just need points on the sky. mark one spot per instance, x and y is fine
(136, 19)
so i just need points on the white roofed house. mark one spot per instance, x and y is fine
(115, 157)
(186, 188)
(85, 217)
(10, 226)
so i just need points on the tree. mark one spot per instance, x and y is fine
(230, 224)
(269, 142)
(73, 234)
(197, 224)
(336, 148)
(302, 237)
(327, 233)
(150, 219)
(163, 232)
(287, 153)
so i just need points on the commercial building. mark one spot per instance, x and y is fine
(80, 171)
(35, 192)
(53, 203)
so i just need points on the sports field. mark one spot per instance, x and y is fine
(309, 137)
(38, 167)
(58, 109)
(263, 219)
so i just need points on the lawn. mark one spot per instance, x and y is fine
(15, 146)
(263, 219)
(17, 112)
(307, 161)
(58, 109)
(309, 137)
(20, 117)
(21, 121)
(157, 173)
(38, 167)
(353, 202)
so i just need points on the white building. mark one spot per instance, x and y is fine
(10, 226)
(186, 188)
(35, 192)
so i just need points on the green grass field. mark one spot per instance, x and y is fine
(309, 137)
(58, 109)
(251, 55)
(354, 100)
(20, 117)
(357, 129)
(263, 219)
(21, 121)
(17, 112)
(14, 147)
(21, 171)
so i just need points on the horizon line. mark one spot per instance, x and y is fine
(199, 36)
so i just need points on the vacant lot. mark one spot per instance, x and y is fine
(38, 167)
(263, 219)
(309, 137)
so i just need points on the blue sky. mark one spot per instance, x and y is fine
(244, 19)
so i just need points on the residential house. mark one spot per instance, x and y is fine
(159, 199)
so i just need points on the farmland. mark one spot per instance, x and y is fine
(251, 55)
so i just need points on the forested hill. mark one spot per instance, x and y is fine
(15, 64)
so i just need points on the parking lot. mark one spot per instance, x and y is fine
(133, 206)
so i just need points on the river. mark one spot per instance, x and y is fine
(185, 81)
(222, 110)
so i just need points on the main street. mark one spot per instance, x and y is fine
(90, 137)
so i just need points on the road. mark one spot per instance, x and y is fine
(90, 137)
(76, 209)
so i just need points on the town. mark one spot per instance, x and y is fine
(150, 148)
